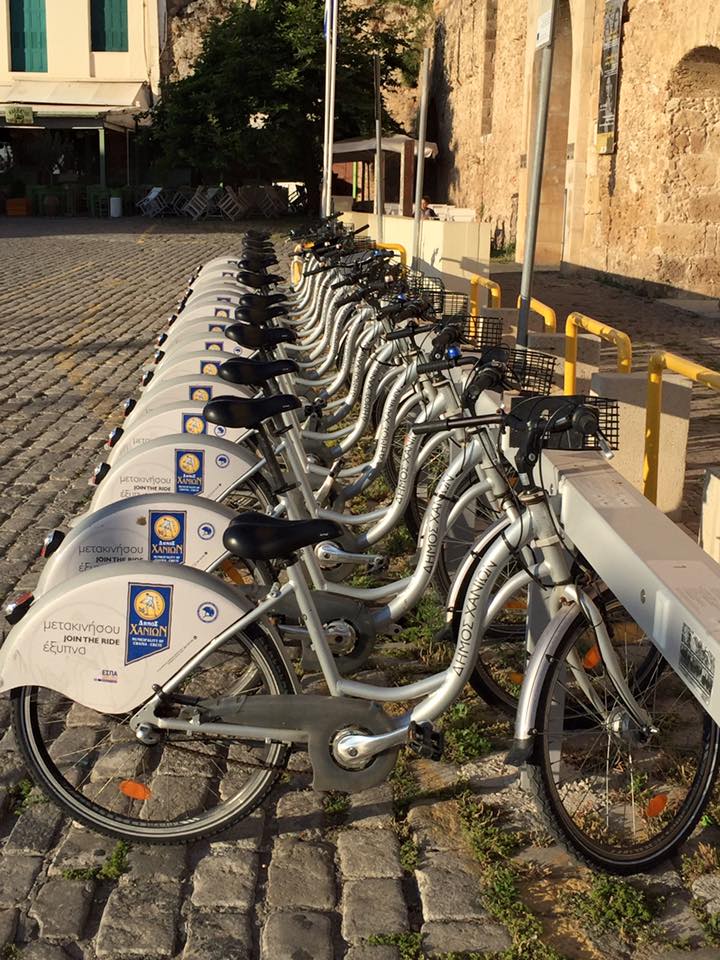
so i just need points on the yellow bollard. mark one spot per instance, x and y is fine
(398, 247)
(476, 281)
(547, 313)
(577, 321)
(687, 368)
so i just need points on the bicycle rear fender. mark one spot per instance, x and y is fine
(159, 527)
(181, 389)
(163, 420)
(175, 464)
(106, 637)
(196, 363)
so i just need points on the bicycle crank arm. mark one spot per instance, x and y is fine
(329, 553)
(306, 718)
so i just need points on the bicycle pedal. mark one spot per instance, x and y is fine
(425, 741)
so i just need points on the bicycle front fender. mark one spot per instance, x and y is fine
(536, 671)
(105, 638)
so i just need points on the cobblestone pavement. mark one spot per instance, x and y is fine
(406, 870)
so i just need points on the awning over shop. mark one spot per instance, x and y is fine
(360, 149)
(76, 103)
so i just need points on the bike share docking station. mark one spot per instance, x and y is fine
(668, 584)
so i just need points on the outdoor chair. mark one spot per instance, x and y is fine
(231, 206)
(270, 203)
(153, 204)
(212, 196)
(196, 205)
(179, 199)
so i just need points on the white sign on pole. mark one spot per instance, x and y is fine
(543, 32)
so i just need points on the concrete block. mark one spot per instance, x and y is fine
(588, 355)
(710, 516)
(631, 390)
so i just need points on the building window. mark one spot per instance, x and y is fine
(28, 36)
(109, 26)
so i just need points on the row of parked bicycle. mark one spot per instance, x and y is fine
(157, 699)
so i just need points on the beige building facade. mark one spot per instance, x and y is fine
(79, 65)
(645, 210)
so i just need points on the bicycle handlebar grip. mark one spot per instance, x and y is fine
(432, 426)
(435, 366)
(401, 334)
(487, 379)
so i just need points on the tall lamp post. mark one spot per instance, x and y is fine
(544, 44)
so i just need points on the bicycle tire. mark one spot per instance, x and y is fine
(541, 770)
(28, 727)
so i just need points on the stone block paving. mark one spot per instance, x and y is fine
(388, 875)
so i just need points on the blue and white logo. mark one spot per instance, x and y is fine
(149, 612)
(207, 612)
(189, 470)
(222, 460)
(167, 536)
(202, 393)
(206, 531)
(220, 431)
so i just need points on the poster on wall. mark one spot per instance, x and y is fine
(609, 71)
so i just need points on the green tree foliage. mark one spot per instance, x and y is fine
(253, 108)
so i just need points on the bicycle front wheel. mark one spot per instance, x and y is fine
(624, 797)
(181, 788)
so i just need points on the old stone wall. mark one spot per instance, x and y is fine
(652, 212)
(188, 21)
(649, 213)
(476, 106)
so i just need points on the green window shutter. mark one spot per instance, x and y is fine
(28, 36)
(109, 25)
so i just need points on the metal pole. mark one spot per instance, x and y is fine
(420, 161)
(378, 152)
(544, 41)
(101, 147)
(334, 30)
(326, 137)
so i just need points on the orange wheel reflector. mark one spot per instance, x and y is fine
(656, 806)
(517, 678)
(135, 790)
(516, 605)
(592, 658)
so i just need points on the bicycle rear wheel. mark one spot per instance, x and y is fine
(179, 789)
(622, 797)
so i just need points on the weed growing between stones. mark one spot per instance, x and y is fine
(336, 804)
(705, 860)
(493, 846)
(612, 905)
(464, 740)
(409, 945)
(409, 852)
(710, 922)
(23, 795)
(422, 626)
(404, 785)
(115, 865)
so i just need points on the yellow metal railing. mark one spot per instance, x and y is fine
(397, 247)
(547, 313)
(476, 281)
(687, 368)
(576, 321)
